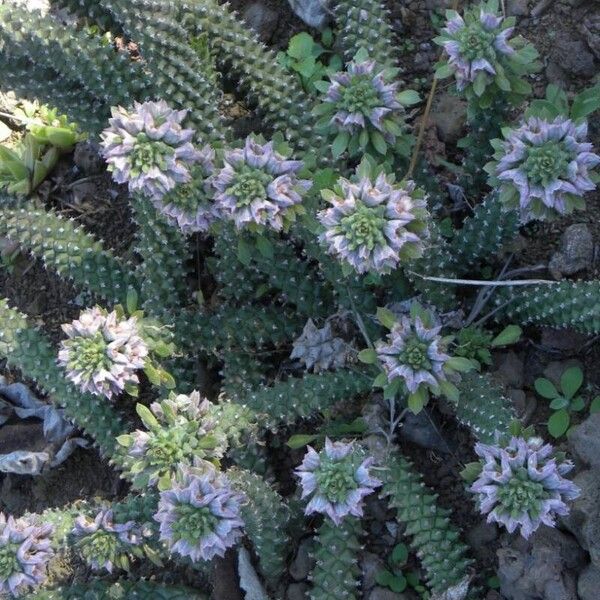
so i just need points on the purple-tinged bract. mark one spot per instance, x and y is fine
(103, 352)
(25, 550)
(105, 544)
(337, 479)
(148, 149)
(200, 517)
(375, 225)
(259, 187)
(414, 353)
(543, 167)
(361, 98)
(521, 484)
(190, 206)
(318, 349)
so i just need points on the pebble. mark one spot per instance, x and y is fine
(302, 563)
(576, 251)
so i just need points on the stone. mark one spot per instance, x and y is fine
(302, 563)
(590, 28)
(574, 58)
(541, 568)
(576, 251)
(449, 117)
(563, 339)
(370, 565)
(87, 158)
(556, 368)
(313, 12)
(584, 441)
(510, 369)
(588, 584)
(482, 534)
(556, 75)
(517, 8)
(420, 430)
(297, 591)
(380, 593)
(249, 580)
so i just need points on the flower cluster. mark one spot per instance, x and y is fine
(148, 149)
(190, 206)
(337, 479)
(200, 517)
(318, 349)
(103, 352)
(375, 225)
(24, 552)
(361, 99)
(543, 167)
(180, 431)
(259, 187)
(521, 484)
(104, 544)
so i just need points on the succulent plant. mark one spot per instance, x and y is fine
(148, 149)
(318, 349)
(337, 479)
(24, 552)
(521, 484)
(259, 187)
(375, 225)
(105, 544)
(544, 167)
(200, 517)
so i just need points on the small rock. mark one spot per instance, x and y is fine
(576, 252)
(449, 118)
(556, 75)
(584, 441)
(249, 580)
(420, 430)
(517, 8)
(588, 584)
(482, 534)
(302, 563)
(297, 591)
(261, 18)
(87, 157)
(312, 12)
(519, 400)
(510, 369)
(591, 30)
(370, 565)
(574, 58)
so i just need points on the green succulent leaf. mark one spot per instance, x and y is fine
(558, 423)
(570, 381)
(545, 388)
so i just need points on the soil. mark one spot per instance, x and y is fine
(50, 301)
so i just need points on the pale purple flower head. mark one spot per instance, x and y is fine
(337, 479)
(318, 349)
(24, 553)
(362, 98)
(103, 543)
(414, 353)
(475, 45)
(375, 225)
(102, 353)
(190, 206)
(200, 518)
(521, 484)
(548, 165)
(148, 149)
(258, 186)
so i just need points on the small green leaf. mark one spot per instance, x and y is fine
(545, 388)
(408, 97)
(244, 253)
(152, 374)
(417, 400)
(471, 471)
(595, 405)
(132, 300)
(327, 37)
(367, 356)
(340, 143)
(449, 390)
(570, 381)
(300, 45)
(400, 554)
(558, 403)
(146, 416)
(480, 83)
(384, 577)
(124, 440)
(586, 103)
(386, 317)
(509, 335)
(398, 584)
(378, 142)
(577, 404)
(558, 423)
(300, 440)
(391, 389)
(460, 364)
(444, 71)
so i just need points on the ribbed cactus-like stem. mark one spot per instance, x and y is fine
(430, 534)
(336, 573)
(567, 304)
(365, 24)
(482, 407)
(68, 250)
